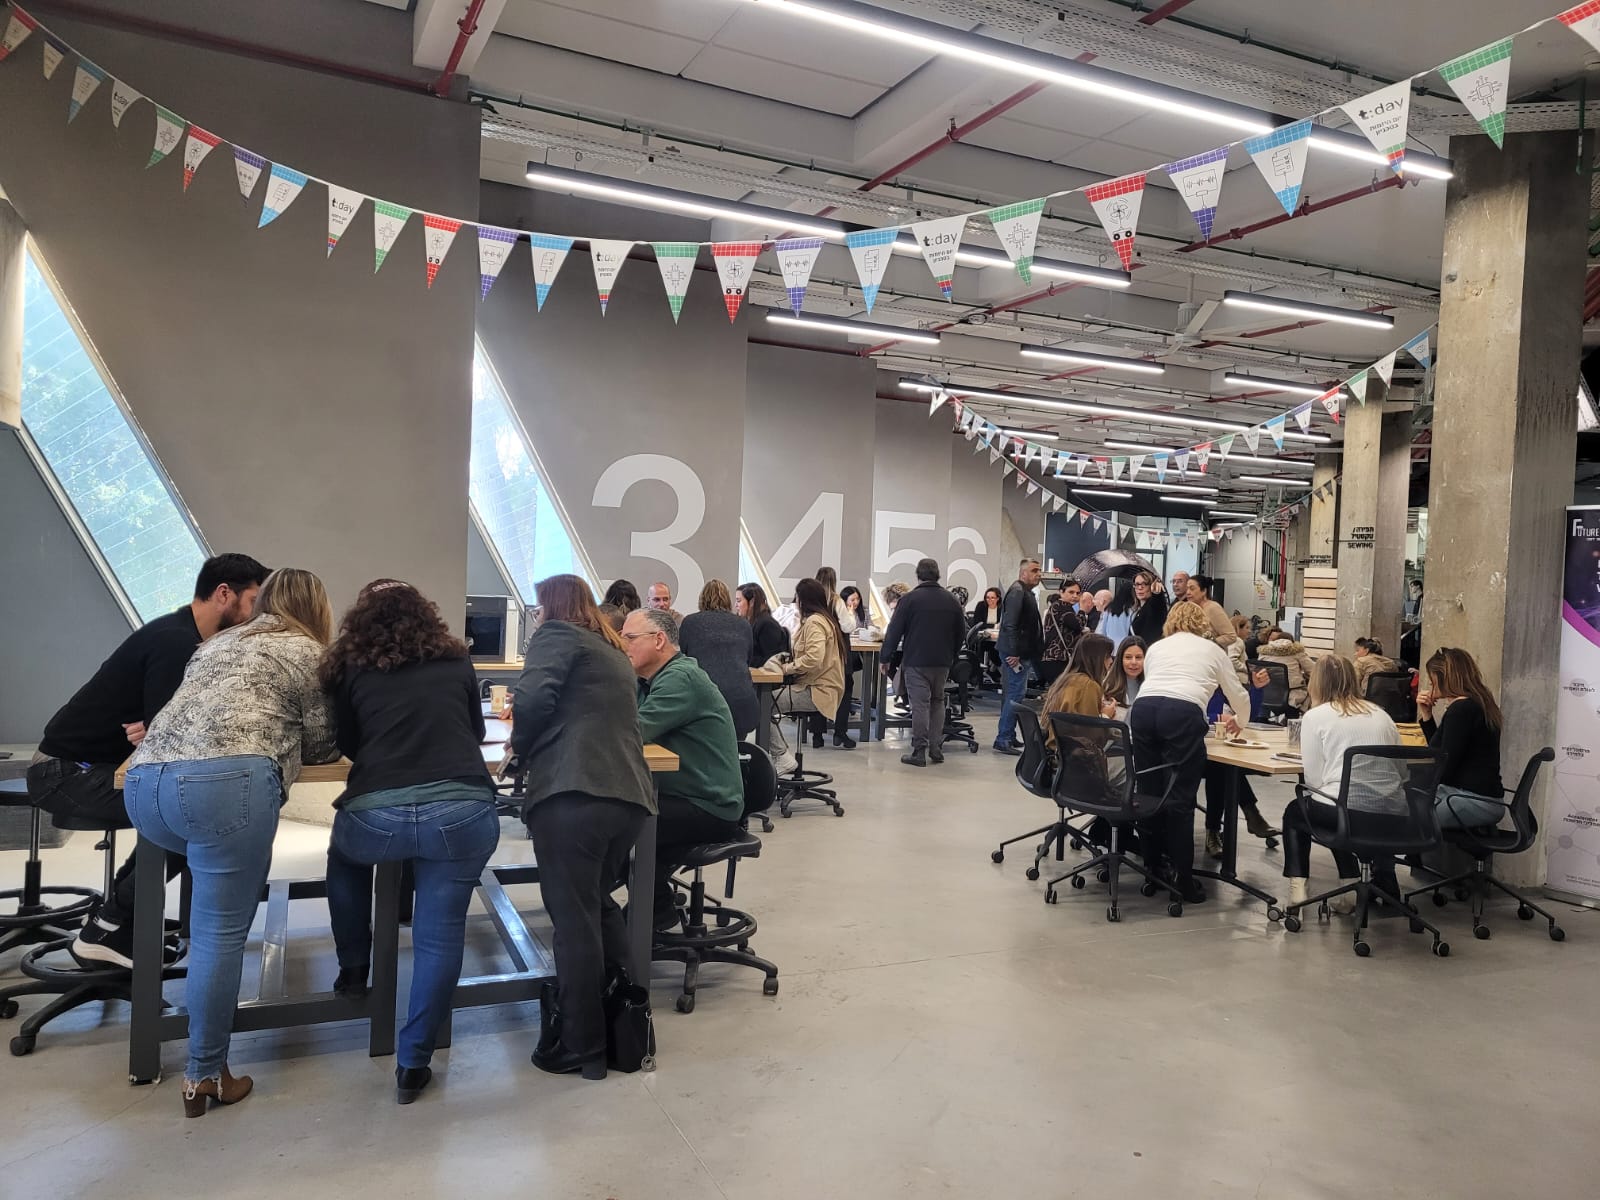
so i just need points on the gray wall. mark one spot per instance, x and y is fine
(911, 490)
(798, 398)
(59, 620)
(973, 560)
(309, 412)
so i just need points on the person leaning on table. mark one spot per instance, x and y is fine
(405, 700)
(575, 735)
(208, 780)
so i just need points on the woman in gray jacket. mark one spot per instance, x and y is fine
(722, 644)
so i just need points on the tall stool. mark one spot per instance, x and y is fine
(797, 783)
(34, 921)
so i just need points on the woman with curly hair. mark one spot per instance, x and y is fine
(405, 699)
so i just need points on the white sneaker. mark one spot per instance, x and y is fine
(1343, 905)
(1297, 892)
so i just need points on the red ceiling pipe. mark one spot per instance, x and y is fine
(1305, 209)
(1165, 11)
(468, 25)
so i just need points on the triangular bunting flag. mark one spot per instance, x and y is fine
(494, 247)
(1275, 428)
(1116, 202)
(1017, 227)
(796, 256)
(1385, 367)
(1100, 465)
(1099, 524)
(1082, 461)
(1482, 81)
(1584, 20)
(1357, 384)
(1083, 517)
(994, 456)
(675, 261)
(54, 51)
(1302, 418)
(123, 98)
(1280, 156)
(1161, 468)
(1044, 497)
(387, 222)
(84, 81)
(343, 204)
(1199, 182)
(871, 250)
(169, 132)
(1202, 457)
(970, 432)
(1057, 503)
(1117, 464)
(248, 166)
(1032, 487)
(607, 257)
(438, 235)
(1007, 471)
(1134, 463)
(734, 260)
(1182, 459)
(939, 240)
(1225, 446)
(1330, 401)
(17, 30)
(937, 402)
(1252, 437)
(1384, 116)
(548, 255)
(283, 185)
(1417, 347)
(199, 144)
(977, 444)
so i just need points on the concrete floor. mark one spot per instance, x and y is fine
(940, 1032)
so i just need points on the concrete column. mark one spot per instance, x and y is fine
(1324, 512)
(12, 236)
(1372, 523)
(1505, 421)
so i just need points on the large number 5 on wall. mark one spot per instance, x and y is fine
(662, 544)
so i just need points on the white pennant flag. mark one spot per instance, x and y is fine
(734, 261)
(199, 144)
(994, 455)
(937, 402)
(1224, 447)
(248, 165)
(123, 98)
(1017, 227)
(871, 250)
(1199, 182)
(1057, 503)
(1007, 471)
(1302, 417)
(438, 235)
(343, 204)
(1583, 20)
(84, 82)
(387, 222)
(1252, 437)
(796, 256)
(1032, 487)
(1280, 156)
(549, 252)
(494, 248)
(1357, 384)
(1182, 459)
(169, 132)
(1202, 457)
(1116, 467)
(1134, 463)
(1481, 81)
(1384, 116)
(18, 27)
(284, 185)
(53, 54)
(1116, 202)
(1385, 367)
(1044, 497)
(939, 240)
(607, 257)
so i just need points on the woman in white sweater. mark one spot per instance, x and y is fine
(1168, 721)
(1337, 720)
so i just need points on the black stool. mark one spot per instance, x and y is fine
(34, 921)
(801, 784)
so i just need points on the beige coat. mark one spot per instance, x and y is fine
(1221, 624)
(1373, 664)
(817, 663)
(1294, 657)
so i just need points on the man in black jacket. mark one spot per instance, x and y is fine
(928, 629)
(1021, 642)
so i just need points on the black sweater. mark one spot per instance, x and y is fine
(1468, 749)
(1147, 622)
(770, 638)
(928, 628)
(420, 723)
(134, 684)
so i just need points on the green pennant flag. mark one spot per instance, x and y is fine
(1481, 81)
(675, 260)
(1357, 384)
(1017, 227)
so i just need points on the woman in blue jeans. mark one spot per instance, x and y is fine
(208, 781)
(405, 699)
(1467, 739)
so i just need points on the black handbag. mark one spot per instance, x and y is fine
(630, 1029)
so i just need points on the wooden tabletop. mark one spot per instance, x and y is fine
(762, 675)
(1256, 761)
(866, 647)
(498, 668)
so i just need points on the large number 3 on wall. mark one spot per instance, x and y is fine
(662, 544)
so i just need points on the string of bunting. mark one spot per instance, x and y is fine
(1479, 79)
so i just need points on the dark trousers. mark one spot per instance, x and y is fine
(925, 688)
(88, 798)
(680, 825)
(1217, 793)
(1170, 732)
(582, 847)
(1297, 842)
(1049, 671)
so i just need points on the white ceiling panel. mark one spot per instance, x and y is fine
(1030, 141)
(697, 20)
(632, 40)
(777, 80)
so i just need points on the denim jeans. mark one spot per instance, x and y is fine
(449, 843)
(223, 814)
(1015, 682)
(1457, 808)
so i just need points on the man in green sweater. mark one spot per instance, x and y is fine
(680, 708)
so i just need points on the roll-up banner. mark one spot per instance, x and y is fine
(1572, 820)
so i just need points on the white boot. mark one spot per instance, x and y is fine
(1297, 892)
(1346, 904)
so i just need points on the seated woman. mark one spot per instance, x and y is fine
(405, 700)
(1466, 737)
(1337, 720)
(723, 645)
(1062, 629)
(985, 615)
(622, 594)
(208, 780)
(768, 638)
(576, 738)
(816, 672)
(1284, 649)
(1126, 674)
(1080, 688)
(1168, 722)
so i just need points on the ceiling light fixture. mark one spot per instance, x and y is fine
(1185, 500)
(1030, 435)
(1273, 385)
(1420, 165)
(1304, 308)
(1107, 362)
(1232, 457)
(1274, 480)
(1228, 512)
(861, 331)
(1051, 268)
(1102, 493)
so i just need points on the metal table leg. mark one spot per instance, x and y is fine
(871, 692)
(1230, 845)
(767, 698)
(144, 1031)
(381, 1000)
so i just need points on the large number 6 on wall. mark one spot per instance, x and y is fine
(972, 566)
(661, 544)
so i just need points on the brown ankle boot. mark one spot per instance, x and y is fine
(1256, 823)
(224, 1090)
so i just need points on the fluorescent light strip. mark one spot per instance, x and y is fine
(1279, 480)
(860, 330)
(1273, 385)
(1097, 410)
(1348, 148)
(1077, 491)
(1141, 485)
(1232, 458)
(1029, 435)
(1105, 361)
(1228, 512)
(1308, 310)
(978, 256)
(1185, 500)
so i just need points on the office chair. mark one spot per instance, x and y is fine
(1036, 772)
(1275, 696)
(34, 921)
(728, 939)
(1391, 691)
(1483, 844)
(1384, 809)
(1098, 776)
(799, 783)
(957, 702)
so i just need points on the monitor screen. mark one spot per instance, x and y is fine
(486, 635)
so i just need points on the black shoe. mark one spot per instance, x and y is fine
(665, 920)
(935, 756)
(409, 1082)
(816, 741)
(1191, 892)
(915, 759)
(844, 741)
(352, 985)
(549, 1021)
(1003, 748)
(99, 945)
(560, 1061)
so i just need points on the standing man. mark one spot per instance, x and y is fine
(929, 629)
(1180, 586)
(73, 774)
(1021, 642)
(659, 597)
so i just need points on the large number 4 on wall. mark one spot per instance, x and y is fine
(825, 514)
(662, 545)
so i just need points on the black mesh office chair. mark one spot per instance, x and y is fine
(1275, 696)
(1098, 777)
(1384, 809)
(1391, 691)
(1483, 844)
(727, 938)
(1036, 773)
(34, 921)
(957, 703)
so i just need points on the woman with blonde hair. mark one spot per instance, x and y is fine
(1337, 720)
(208, 780)
(1467, 738)
(722, 644)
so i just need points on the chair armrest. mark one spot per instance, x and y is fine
(1157, 767)
(1449, 802)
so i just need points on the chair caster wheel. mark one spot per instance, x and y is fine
(1481, 932)
(1417, 927)
(1049, 895)
(997, 856)
(1439, 900)
(1557, 934)
(1032, 872)
(785, 813)
(1274, 913)
(1524, 913)
(1112, 914)
(972, 748)
(1078, 884)
(1272, 843)
(684, 1004)
(769, 987)
(1175, 909)
(1102, 876)
(8, 1009)
(1075, 844)
(1148, 889)
(1442, 949)
(1292, 923)
(1362, 950)
(22, 1046)
(1462, 893)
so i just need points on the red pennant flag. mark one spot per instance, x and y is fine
(1116, 202)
